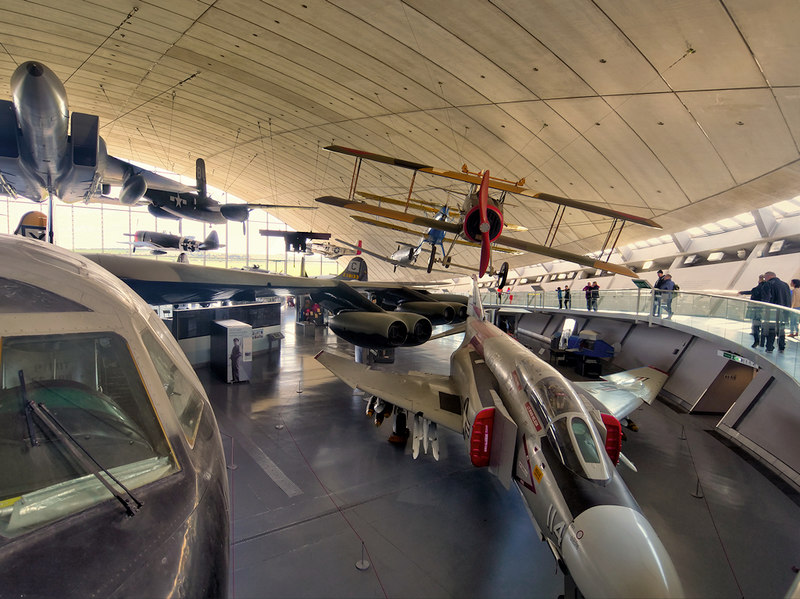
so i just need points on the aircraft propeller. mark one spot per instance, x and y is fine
(483, 201)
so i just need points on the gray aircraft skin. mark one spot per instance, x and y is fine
(88, 371)
(46, 152)
(527, 423)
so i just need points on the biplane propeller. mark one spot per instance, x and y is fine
(482, 215)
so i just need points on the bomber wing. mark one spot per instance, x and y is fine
(433, 396)
(621, 393)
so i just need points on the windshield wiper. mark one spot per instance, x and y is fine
(130, 503)
(27, 408)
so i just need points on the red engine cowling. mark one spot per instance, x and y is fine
(480, 439)
(472, 223)
(613, 437)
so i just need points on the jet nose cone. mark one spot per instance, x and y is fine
(34, 69)
(613, 551)
(39, 90)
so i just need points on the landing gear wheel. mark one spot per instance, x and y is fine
(433, 258)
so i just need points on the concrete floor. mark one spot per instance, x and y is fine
(317, 488)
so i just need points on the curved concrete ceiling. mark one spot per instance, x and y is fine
(684, 112)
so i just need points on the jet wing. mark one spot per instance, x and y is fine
(159, 282)
(621, 393)
(433, 396)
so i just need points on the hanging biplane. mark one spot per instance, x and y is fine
(481, 222)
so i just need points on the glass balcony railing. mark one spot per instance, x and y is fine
(732, 318)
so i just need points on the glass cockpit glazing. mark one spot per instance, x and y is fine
(90, 384)
(570, 435)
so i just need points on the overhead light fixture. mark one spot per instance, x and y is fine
(741, 254)
(647, 265)
(715, 256)
(775, 246)
(690, 259)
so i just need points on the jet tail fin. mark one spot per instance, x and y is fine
(303, 272)
(474, 305)
(356, 270)
(200, 174)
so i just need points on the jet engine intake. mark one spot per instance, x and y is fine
(133, 190)
(374, 330)
(436, 312)
(419, 328)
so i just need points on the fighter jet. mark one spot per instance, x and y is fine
(46, 152)
(159, 243)
(527, 423)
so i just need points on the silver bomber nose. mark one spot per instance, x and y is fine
(613, 551)
(40, 90)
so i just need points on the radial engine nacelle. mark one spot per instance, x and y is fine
(235, 212)
(379, 330)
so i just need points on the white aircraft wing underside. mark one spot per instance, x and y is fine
(433, 395)
(621, 393)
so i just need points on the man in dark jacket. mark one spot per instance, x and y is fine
(756, 312)
(776, 292)
(656, 294)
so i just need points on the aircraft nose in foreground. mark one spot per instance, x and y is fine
(613, 551)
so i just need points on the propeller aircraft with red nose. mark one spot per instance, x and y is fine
(482, 219)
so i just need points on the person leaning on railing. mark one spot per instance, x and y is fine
(777, 292)
(754, 313)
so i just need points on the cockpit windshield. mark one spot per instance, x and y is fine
(579, 451)
(92, 387)
(570, 434)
